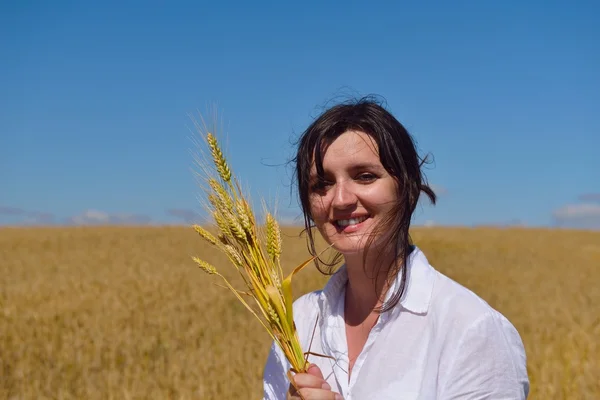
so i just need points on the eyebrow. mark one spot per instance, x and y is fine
(366, 166)
(356, 167)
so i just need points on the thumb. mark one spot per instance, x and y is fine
(315, 371)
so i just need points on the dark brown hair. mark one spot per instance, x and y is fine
(398, 155)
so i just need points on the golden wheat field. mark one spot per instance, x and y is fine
(123, 313)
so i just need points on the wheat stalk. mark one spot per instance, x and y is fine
(253, 251)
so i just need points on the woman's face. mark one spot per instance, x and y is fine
(357, 193)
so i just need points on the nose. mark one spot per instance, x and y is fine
(343, 196)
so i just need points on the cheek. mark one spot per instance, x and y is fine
(318, 210)
(384, 197)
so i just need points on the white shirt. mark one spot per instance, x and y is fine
(440, 342)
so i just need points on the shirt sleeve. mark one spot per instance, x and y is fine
(275, 380)
(490, 363)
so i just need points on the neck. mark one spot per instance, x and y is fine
(367, 286)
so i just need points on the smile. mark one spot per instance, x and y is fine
(352, 221)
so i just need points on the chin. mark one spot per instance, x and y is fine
(357, 245)
(350, 245)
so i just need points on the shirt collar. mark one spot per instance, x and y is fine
(418, 290)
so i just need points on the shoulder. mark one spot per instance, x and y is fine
(481, 342)
(307, 302)
(454, 304)
(307, 316)
(447, 303)
(306, 308)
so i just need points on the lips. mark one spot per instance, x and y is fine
(351, 222)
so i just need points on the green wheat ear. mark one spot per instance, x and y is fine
(218, 158)
(205, 234)
(273, 238)
(206, 267)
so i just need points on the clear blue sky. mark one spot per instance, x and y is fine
(95, 101)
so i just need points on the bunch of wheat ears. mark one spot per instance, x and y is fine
(255, 253)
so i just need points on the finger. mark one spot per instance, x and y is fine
(318, 394)
(316, 371)
(303, 380)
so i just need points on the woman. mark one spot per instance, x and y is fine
(387, 325)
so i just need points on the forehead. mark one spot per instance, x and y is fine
(351, 147)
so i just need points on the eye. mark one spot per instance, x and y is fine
(366, 177)
(319, 185)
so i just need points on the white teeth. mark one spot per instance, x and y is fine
(351, 221)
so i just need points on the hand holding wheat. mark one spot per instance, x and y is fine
(311, 385)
